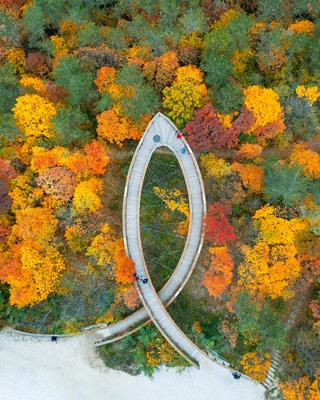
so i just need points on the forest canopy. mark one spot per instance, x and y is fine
(79, 83)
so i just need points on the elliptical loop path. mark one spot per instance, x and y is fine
(162, 132)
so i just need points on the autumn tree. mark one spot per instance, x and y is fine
(219, 275)
(308, 160)
(130, 101)
(33, 114)
(186, 94)
(265, 107)
(124, 266)
(32, 270)
(215, 167)
(86, 196)
(272, 265)
(189, 48)
(102, 246)
(251, 176)
(303, 388)
(256, 365)
(206, 131)
(59, 182)
(218, 229)
(131, 297)
(161, 69)
(34, 223)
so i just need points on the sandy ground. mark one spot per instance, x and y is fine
(70, 370)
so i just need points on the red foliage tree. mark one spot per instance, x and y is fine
(4, 232)
(53, 92)
(6, 171)
(5, 200)
(206, 132)
(36, 63)
(218, 229)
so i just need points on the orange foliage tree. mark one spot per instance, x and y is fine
(35, 224)
(219, 276)
(131, 297)
(124, 266)
(251, 176)
(301, 389)
(32, 270)
(116, 128)
(88, 162)
(161, 69)
(307, 159)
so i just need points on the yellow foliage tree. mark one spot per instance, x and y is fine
(256, 366)
(86, 196)
(225, 19)
(33, 82)
(272, 265)
(311, 93)
(174, 200)
(33, 115)
(103, 245)
(186, 94)
(214, 166)
(16, 57)
(264, 104)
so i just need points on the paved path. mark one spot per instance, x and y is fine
(161, 132)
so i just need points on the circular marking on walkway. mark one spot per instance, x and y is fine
(156, 138)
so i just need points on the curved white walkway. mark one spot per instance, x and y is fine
(161, 132)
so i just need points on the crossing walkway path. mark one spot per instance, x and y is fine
(161, 132)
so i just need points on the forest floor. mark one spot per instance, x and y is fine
(71, 370)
